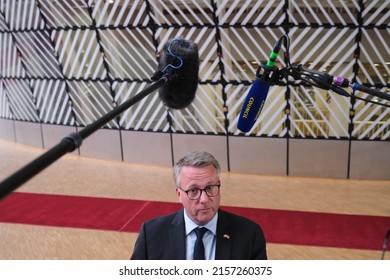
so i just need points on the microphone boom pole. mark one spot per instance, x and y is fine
(70, 143)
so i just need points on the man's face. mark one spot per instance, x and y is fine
(201, 210)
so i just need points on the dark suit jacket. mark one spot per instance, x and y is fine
(163, 238)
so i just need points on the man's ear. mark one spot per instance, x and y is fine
(178, 192)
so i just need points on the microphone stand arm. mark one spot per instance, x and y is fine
(72, 141)
(329, 82)
(272, 75)
(316, 78)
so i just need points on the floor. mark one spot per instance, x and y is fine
(74, 175)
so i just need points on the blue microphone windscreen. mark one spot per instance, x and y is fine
(253, 105)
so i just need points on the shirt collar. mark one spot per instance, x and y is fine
(190, 225)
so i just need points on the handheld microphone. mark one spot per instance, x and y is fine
(180, 63)
(253, 105)
(257, 95)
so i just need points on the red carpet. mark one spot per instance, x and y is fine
(280, 226)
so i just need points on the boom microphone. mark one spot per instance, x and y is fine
(257, 94)
(181, 64)
(177, 82)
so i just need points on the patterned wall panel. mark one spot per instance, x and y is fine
(70, 62)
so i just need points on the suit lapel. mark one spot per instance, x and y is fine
(177, 243)
(224, 237)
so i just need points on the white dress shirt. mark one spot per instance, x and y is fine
(209, 239)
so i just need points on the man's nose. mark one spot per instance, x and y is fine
(203, 196)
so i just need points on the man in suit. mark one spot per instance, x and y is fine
(224, 235)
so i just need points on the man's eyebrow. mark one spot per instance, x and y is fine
(195, 186)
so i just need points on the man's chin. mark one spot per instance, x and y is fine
(204, 216)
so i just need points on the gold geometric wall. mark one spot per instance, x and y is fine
(70, 62)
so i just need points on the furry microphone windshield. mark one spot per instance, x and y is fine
(180, 63)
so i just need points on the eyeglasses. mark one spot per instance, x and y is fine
(195, 193)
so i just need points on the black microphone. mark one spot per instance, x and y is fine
(180, 63)
(258, 92)
(177, 81)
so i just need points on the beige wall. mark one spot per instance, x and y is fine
(269, 156)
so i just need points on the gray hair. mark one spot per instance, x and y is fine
(195, 159)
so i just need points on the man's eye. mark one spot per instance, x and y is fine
(193, 191)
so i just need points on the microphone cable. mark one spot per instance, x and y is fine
(385, 244)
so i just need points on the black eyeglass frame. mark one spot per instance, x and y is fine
(201, 190)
